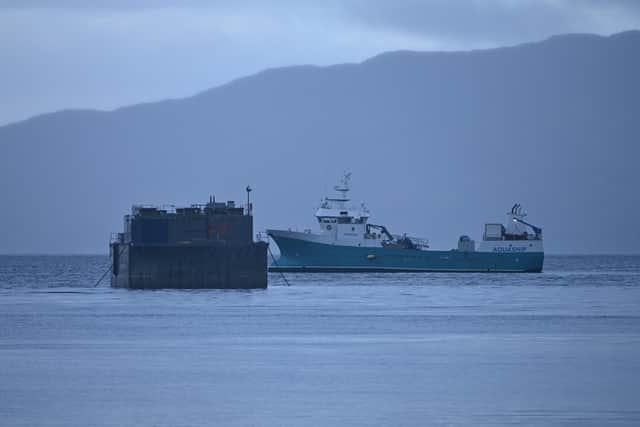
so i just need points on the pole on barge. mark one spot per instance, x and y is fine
(249, 200)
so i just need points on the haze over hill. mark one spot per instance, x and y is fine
(438, 144)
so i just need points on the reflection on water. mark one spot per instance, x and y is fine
(561, 347)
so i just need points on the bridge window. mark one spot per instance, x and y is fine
(326, 220)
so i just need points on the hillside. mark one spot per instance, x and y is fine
(438, 144)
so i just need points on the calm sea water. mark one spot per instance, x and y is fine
(561, 347)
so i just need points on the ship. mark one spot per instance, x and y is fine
(201, 246)
(348, 242)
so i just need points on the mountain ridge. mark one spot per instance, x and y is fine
(439, 143)
(383, 55)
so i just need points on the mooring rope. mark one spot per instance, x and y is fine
(104, 274)
(273, 258)
(110, 267)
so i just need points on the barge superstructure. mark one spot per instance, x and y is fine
(199, 246)
(347, 242)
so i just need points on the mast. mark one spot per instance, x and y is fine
(249, 210)
(343, 189)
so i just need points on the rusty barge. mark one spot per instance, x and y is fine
(207, 246)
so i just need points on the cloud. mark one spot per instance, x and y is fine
(453, 22)
(106, 53)
(481, 22)
(66, 57)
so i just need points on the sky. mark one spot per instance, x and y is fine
(102, 54)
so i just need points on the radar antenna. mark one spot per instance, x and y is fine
(343, 187)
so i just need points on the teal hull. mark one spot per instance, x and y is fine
(304, 256)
